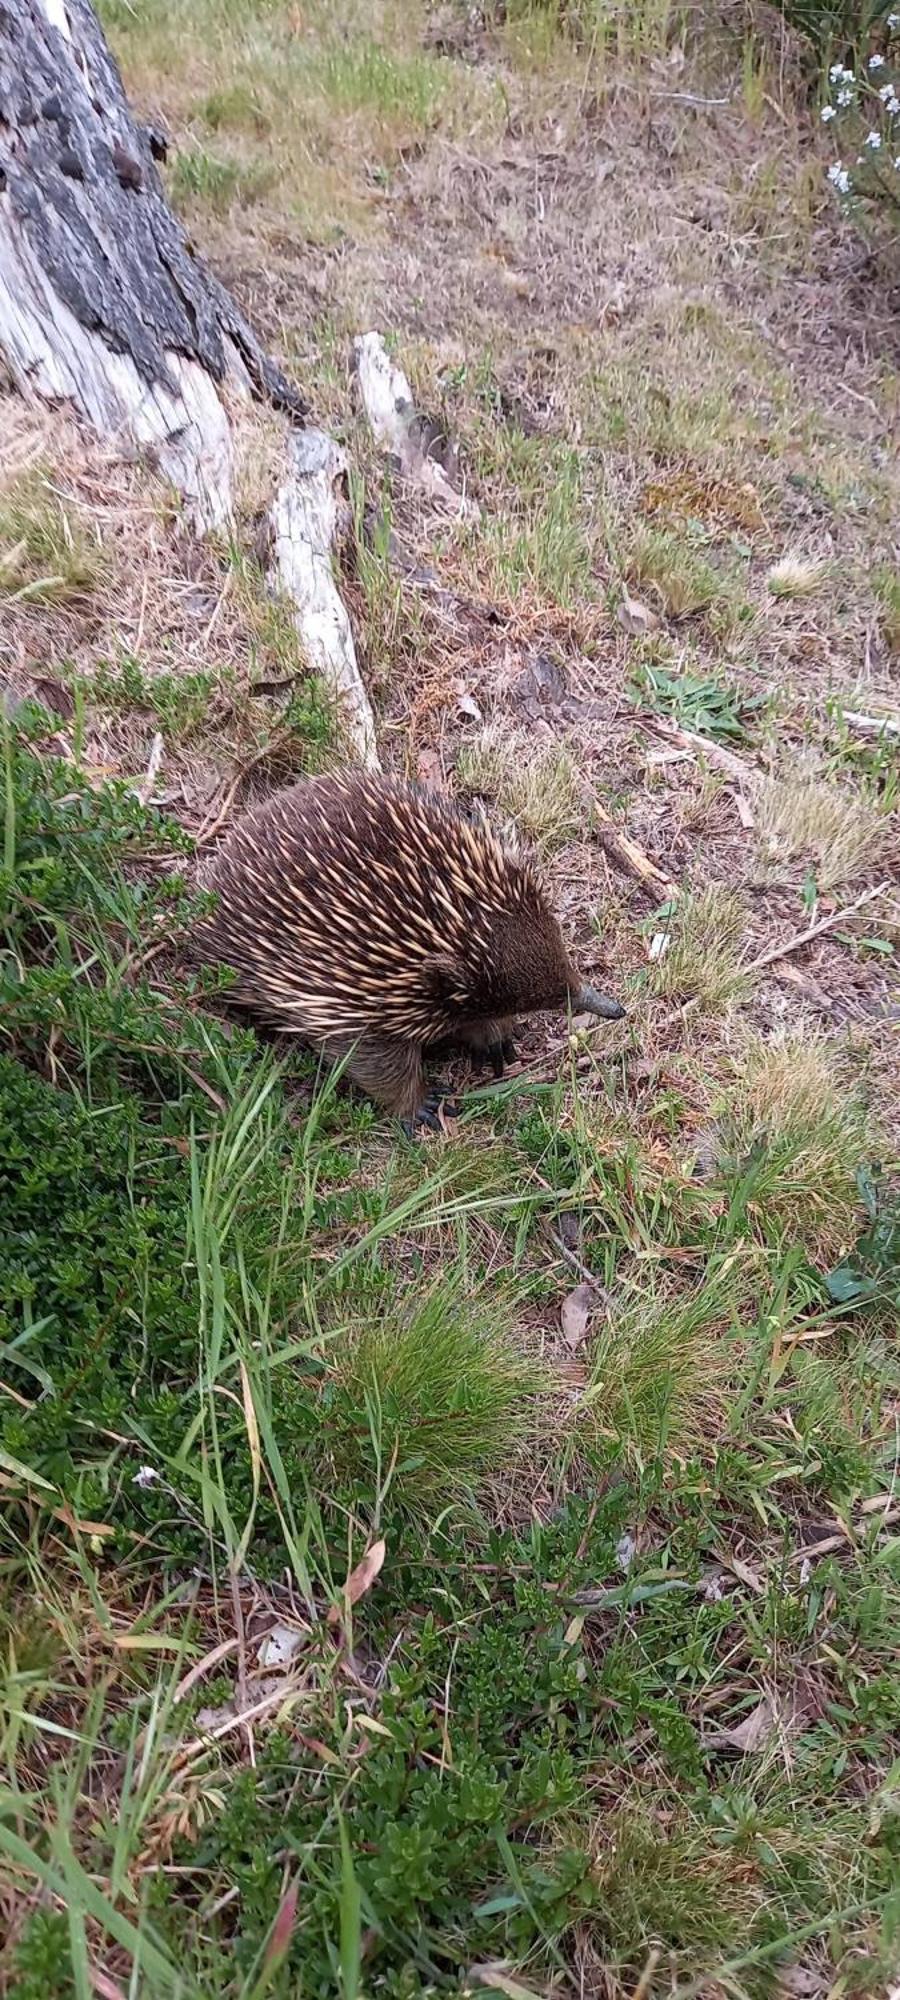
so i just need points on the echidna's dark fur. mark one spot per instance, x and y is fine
(373, 920)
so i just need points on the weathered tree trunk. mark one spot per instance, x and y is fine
(104, 306)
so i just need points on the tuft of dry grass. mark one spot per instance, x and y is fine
(534, 781)
(796, 576)
(702, 959)
(886, 585)
(832, 828)
(792, 1113)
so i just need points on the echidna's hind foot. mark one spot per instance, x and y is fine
(494, 1056)
(389, 1071)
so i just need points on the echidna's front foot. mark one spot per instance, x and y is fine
(428, 1116)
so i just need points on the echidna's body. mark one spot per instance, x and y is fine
(373, 920)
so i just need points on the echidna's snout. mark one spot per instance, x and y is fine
(588, 1001)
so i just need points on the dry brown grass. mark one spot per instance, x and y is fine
(534, 781)
(793, 1107)
(828, 826)
(164, 633)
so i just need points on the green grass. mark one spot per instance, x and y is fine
(237, 1355)
(702, 939)
(580, 1662)
(47, 553)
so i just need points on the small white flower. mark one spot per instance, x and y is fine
(876, 62)
(893, 20)
(839, 178)
(886, 91)
(828, 112)
(893, 106)
(873, 141)
(845, 97)
(897, 163)
(836, 72)
(146, 1475)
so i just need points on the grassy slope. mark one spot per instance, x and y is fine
(619, 1712)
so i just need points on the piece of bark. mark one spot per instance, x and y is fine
(621, 848)
(388, 402)
(303, 520)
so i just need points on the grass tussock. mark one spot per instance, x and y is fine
(660, 1371)
(673, 573)
(48, 551)
(534, 781)
(832, 829)
(705, 941)
(796, 576)
(659, 1886)
(430, 1400)
(795, 1136)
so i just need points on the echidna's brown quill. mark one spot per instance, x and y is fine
(373, 920)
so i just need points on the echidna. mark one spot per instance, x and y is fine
(374, 920)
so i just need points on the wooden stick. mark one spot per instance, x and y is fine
(688, 739)
(872, 725)
(632, 858)
(814, 930)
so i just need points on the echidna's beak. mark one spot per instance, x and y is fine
(588, 1001)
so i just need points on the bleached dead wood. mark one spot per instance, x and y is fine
(105, 308)
(103, 304)
(724, 759)
(622, 849)
(388, 402)
(872, 725)
(303, 519)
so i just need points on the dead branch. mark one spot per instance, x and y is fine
(815, 930)
(388, 402)
(629, 856)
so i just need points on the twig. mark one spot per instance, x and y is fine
(629, 855)
(575, 1264)
(210, 827)
(830, 1543)
(872, 725)
(689, 739)
(642, 1989)
(814, 930)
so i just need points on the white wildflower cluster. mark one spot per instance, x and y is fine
(872, 96)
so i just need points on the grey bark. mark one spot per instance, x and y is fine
(79, 179)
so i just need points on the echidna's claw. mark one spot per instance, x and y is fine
(428, 1116)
